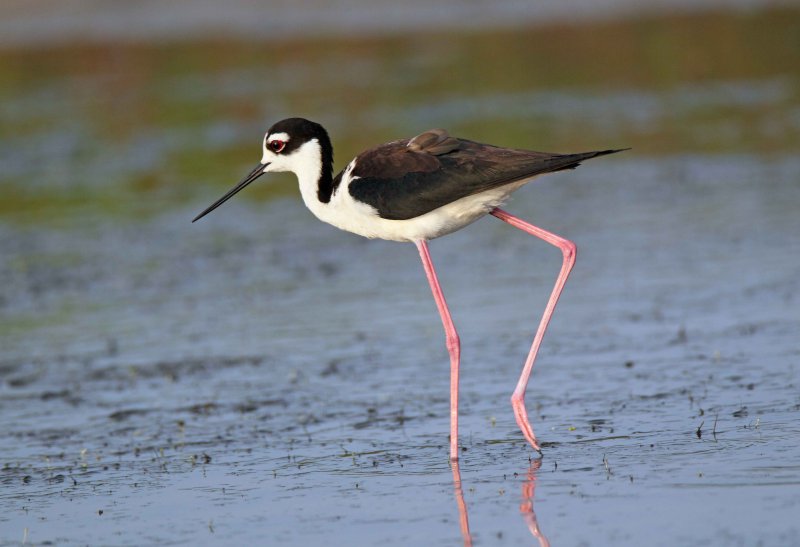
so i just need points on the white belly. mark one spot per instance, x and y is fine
(359, 218)
(352, 216)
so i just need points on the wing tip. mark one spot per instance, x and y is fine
(609, 151)
(577, 159)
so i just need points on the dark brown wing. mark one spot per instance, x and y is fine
(408, 178)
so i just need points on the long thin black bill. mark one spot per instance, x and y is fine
(253, 175)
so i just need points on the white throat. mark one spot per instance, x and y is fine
(306, 163)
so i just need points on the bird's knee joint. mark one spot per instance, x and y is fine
(569, 250)
(453, 342)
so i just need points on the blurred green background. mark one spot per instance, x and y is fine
(146, 363)
(136, 126)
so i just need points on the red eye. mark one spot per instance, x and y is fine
(276, 145)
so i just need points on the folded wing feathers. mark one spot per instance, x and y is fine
(404, 179)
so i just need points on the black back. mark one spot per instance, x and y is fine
(403, 182)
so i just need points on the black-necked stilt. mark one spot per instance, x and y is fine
(415, 190)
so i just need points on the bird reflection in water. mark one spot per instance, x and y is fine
(525, 508)
(463, 517)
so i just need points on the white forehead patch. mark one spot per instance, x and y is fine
(277, 137)
(268, 138)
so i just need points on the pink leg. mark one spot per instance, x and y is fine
(568, 250)
(453, 343)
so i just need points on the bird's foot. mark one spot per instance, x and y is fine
(521, 415)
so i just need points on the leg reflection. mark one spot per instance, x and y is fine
(526, 507)
(463, 518)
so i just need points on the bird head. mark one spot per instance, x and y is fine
(294, 144)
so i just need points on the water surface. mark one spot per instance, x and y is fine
(259, 376)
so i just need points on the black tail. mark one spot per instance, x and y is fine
(571, 161)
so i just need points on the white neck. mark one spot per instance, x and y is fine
(306, 163)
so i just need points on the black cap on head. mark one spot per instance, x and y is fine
(300, 130)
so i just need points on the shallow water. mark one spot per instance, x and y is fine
(262, 377)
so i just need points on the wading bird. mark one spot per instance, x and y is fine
(415, 190)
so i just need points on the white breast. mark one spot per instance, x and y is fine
(359, 218)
